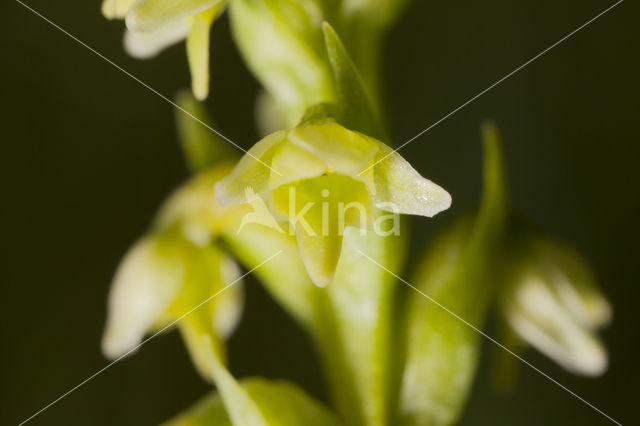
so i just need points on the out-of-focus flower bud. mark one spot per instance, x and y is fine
(153, 25)
(322, 178)
(552, 302)
(283, 44)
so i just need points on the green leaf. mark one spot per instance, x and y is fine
(442, 351)
(207, 411)
(460, 273)
(242, 409)
(358, 111)
(255, 402)
(283, 404)
(495, 204)
(202, 147)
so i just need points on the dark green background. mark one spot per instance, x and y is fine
(88, 154)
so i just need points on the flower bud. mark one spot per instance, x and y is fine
(283, 44)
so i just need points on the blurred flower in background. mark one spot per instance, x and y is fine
(173, 269)
(153, 25)
(551, 301)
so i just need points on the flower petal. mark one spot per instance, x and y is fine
(116, 9)
(208, 272)
(250, 173)
(574, 282)
(538, 317)
(147, 44)
(146, 283)
(198, 52)
(228, 306)
(400, 188)
(344, 151)
(148, 15)
(294, 163)
(193, 209)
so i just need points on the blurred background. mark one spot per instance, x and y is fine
(88, 154)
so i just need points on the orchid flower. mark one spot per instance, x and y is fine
(322, 178)
(552, 302)
(153, 25)
(171, 273)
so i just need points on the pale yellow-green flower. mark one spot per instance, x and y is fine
(153, 25)
(322, 178)
(168, 274)
(553, 303)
